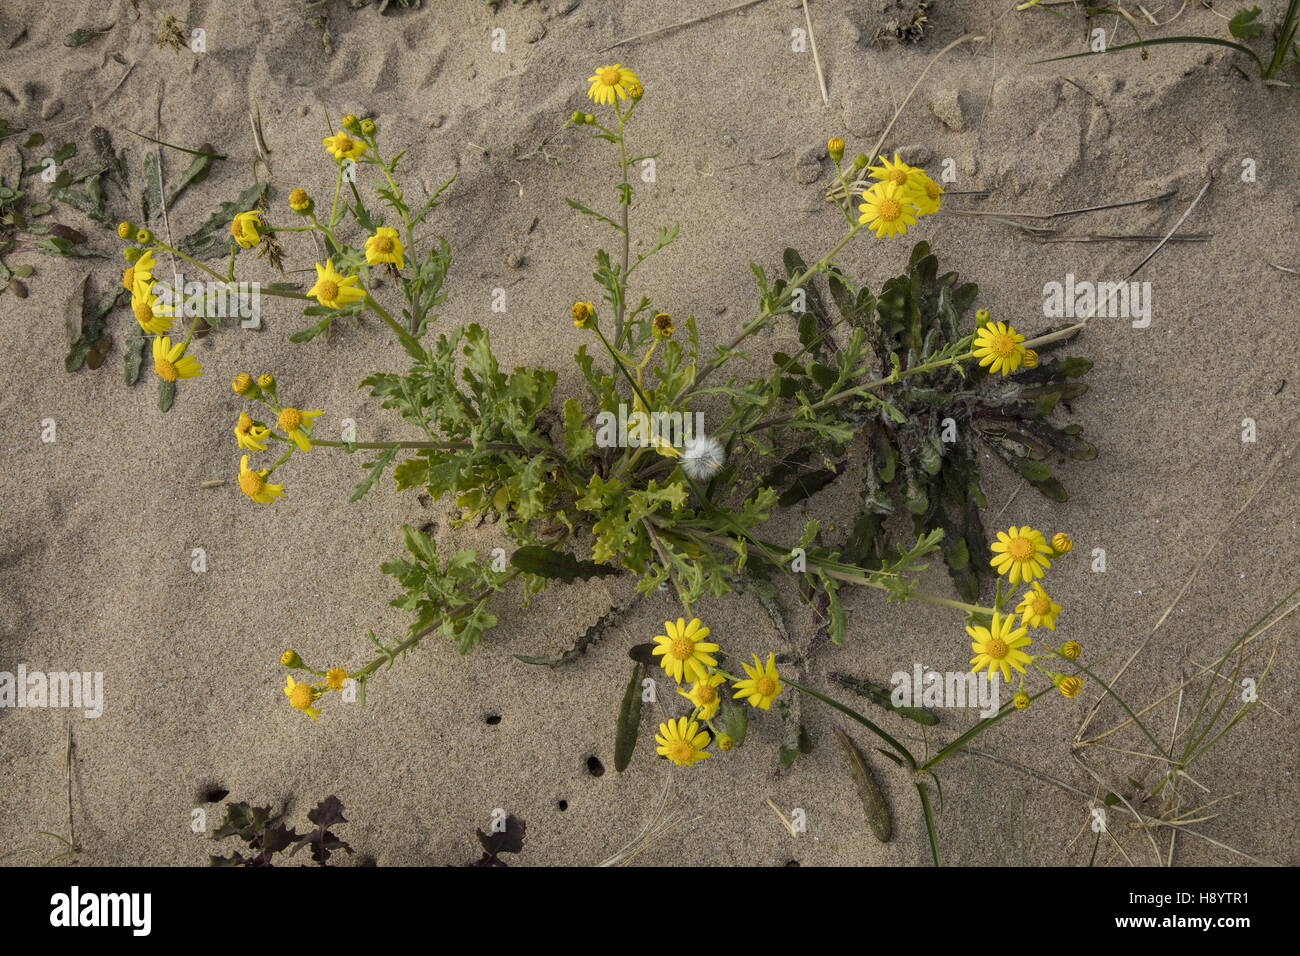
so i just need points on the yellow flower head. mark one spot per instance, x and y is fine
(254, 484)
(724, 742)
(608, 81)
(246, 228)
(1030, 358)
(663, 326)
(296, 424)
(1062, 543)
(141, 269)
(342, 146)
(704, 696)
(897, 172)
(584, 314)
(835, 147)
(170, 361)
(684, 650)
(763, 684)
(291, 659)
(149, 311)
(1071, 650)
(926, 193)
(249, 434)
(300, 202)
(384, 246)
(332, 289)
(301, 697)
(334, 678)
(997, 346)
(1021, 700)
(266, 382)
(1037, 609)
(635, 90)
(1068, 686)
(1020, 554)
(682, 742)
(887, 209)
(242, 384)
(998, 647)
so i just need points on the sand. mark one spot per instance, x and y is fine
(99, 526)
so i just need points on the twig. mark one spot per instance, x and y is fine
(682, 23)
(781, 816)
(812, 43)
(1181, 220)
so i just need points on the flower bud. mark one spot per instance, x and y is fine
(835, 146)
(1062, 543)
(1069, 686)
(584, 314)
(144, 237)
(1020, 701)
(291, 659)
(349, 123)
(132, 253)
(300, 202)
(126, 230)
(860, 161)
(266, 382)
(242, 384)
(1030, 358)
(724, 742)
(368, 127)
(982, 317)
(1071, 650)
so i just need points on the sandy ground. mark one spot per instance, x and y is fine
(98, 527)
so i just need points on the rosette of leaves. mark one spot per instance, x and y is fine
(265, 834)
(922, 433)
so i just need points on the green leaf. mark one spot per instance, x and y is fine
(558, 565)
(594, 215)
(1243, 25)
(85, 35)
(375, 472)
(213, 237)
(166, 394)
(869, 792)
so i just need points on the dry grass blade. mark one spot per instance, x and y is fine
(682, 23)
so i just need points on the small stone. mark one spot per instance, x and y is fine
(515, 260)
(915, 155)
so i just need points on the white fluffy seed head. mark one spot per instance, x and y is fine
(703, 457)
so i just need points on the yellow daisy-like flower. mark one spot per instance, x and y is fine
(609, 81)
(1020, 554)
(334, 678)
(584, 314)
(1037, 609)
(998, 647)
(170, 361)
(682, 742)
(149, 311)
(384, 246)
(897, 172)
(887, 209)
(926, 194)
(343, 146)
(333, 289)
(684, 650)
(254, 484)
(997, 346)
(141, 269)
(704, 697)
(249, 434)
(301, 697)
(294, 423)
(246, 228)
(763, 685)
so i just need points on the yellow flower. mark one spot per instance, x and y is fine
(1071, 650)
(610, 80)
(343, 146)
(1020, 554)
(682, 742)
(294, 424)
(704, 697)
(266, 382)
(997, 346)
(1037, 609)
(724, 742)
(835, 147)
(384, 246)
(897, 172)
(887, 210)
(584, 314)
(246, 228)
(242, 384)
(300, 202)
(334, 678)
(1062, 543)
(170, 361)
(141, 269)
(1021, 700)
(332, 289)
(249, 434)
(253, 484)
(301, 697)
(763, 685)
(1030, 358)
(1068, 686)
(635, 90)
(998, 647)
(663, 326)
(926, 193)
(149, 311)
(684, 650)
